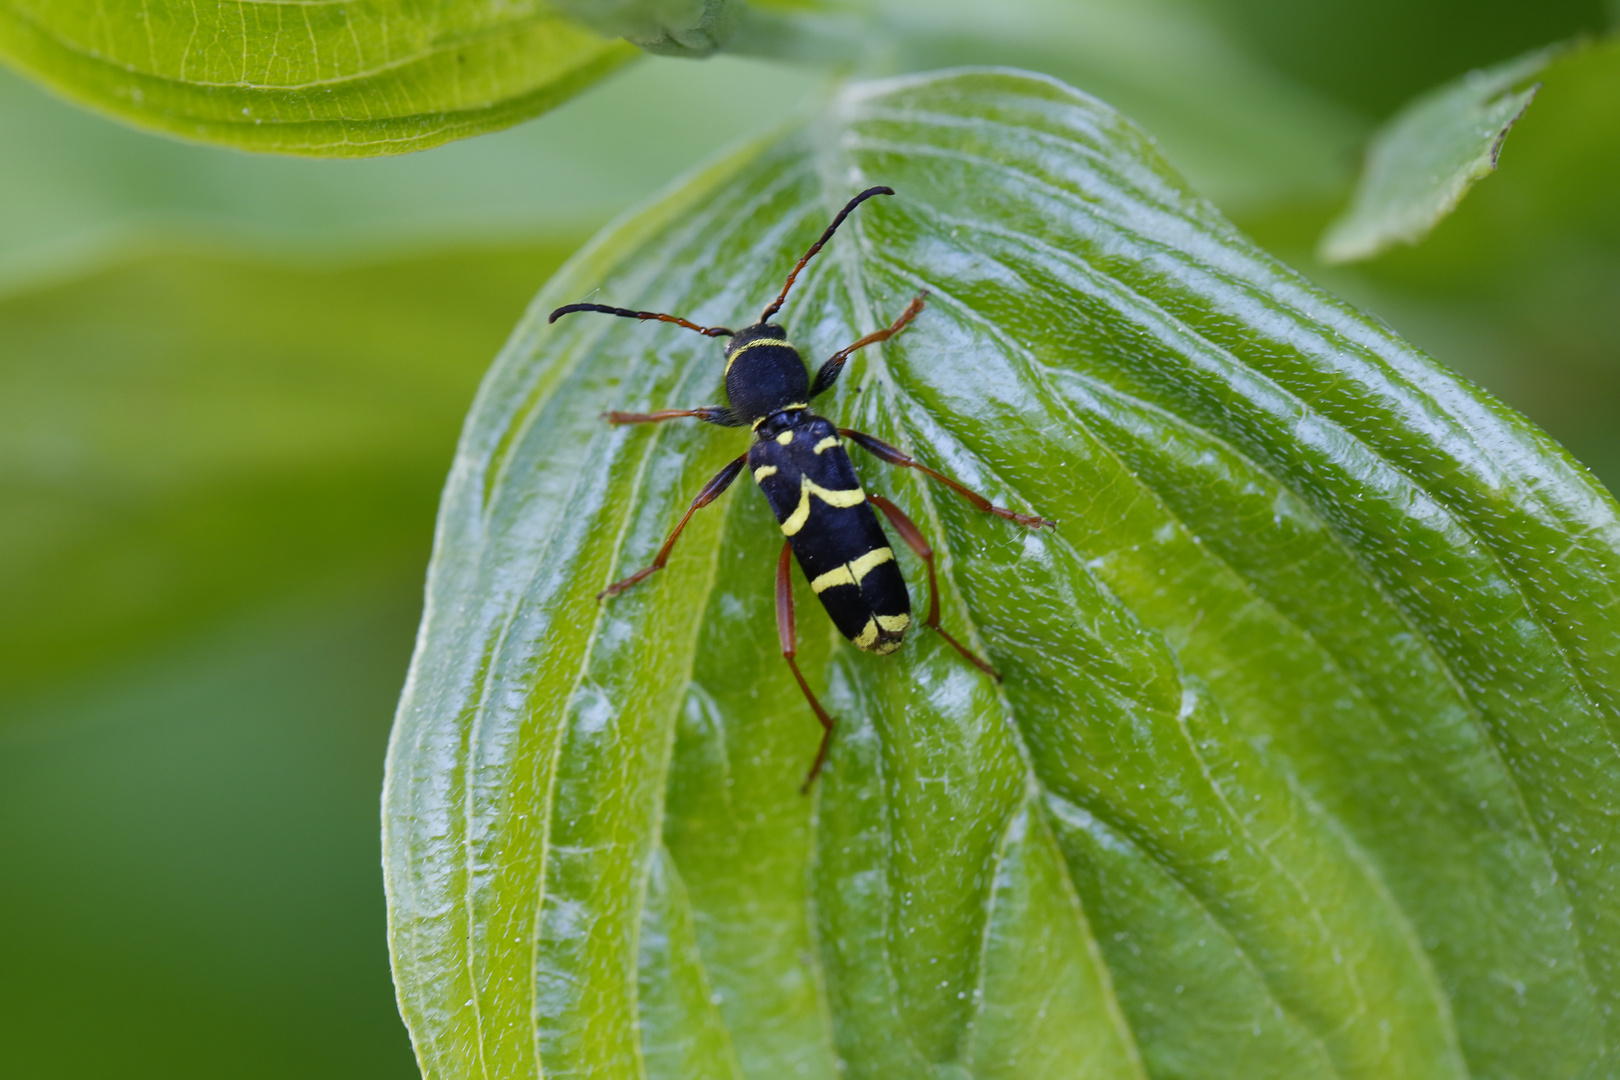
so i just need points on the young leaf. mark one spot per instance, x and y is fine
(1304, 761)
(326, 80)
(1427, 157)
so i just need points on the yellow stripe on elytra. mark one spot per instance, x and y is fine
(808, 487)
(876, 557)
(851, 573)
(785, 438)
(827, 444)
(763, 471)
(868, 637)
(732, 359)
(832, 579)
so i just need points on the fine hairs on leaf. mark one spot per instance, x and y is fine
(1304, 760)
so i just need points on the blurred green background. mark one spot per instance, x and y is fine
(230, 388)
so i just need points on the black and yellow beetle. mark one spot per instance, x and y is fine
(798, 461)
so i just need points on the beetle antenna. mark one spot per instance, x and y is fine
(706, 331)
(817, 246)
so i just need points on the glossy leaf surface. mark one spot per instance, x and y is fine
(1304, 763)
(329, 80)
(1427, 157)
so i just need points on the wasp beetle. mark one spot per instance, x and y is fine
(798, 461)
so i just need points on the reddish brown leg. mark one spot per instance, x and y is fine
(914, 540)
(828, 373)
(893, 456)
(711, 491)
(787, 631)
(713, 414)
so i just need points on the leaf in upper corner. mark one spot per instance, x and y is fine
(1304, 764)
(1424, 160)
(324, 80)
(1520, 291)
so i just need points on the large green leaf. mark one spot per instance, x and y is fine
(331, 80)
(1425, 159)
(1304, 763)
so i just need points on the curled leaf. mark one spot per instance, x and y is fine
(1304, 761)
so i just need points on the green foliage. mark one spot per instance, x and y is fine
(1304, 760)
(84, 191)
(219, 484)
(154, 484)
(1519, 289)
(1425, 159)
(1288, 542)
(333, 80)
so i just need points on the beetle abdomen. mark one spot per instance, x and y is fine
(801, 466)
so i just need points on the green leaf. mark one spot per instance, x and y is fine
(1519, 289)
(1427, 157)
(326, 80)
(1305, 759)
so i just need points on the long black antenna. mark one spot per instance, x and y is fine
(706, 331)
(826, 236)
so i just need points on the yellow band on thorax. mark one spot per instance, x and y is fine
(732, 359)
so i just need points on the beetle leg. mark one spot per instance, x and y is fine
(878, 448)
(916, 542)
(709, 414)
(829, 372)
(711, 491)
(787, 632)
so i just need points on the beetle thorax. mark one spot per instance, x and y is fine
(764, 374)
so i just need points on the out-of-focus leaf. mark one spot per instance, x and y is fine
(326, 80)
(1421, 164)
(1519, 289)
(187, 435)
(81, 189)
(1304, 763)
